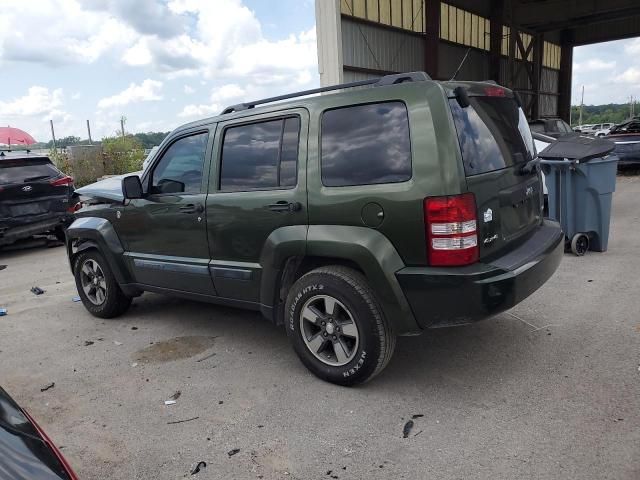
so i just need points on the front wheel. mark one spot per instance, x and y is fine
(98, 289)
(336, 326)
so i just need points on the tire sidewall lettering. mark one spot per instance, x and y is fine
(316, 287)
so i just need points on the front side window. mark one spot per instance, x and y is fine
(260, 156)
(180, 168)
(366, 145)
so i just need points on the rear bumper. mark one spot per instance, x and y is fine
(441, 297)
(16, 228)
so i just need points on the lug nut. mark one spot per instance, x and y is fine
(334, 337)
(323, 322)
(325, 334)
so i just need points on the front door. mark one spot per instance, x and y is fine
(258, 185)
(165, 232)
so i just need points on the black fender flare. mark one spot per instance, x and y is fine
(372, 251)
(95, 232)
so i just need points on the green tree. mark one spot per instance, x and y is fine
(122, 154)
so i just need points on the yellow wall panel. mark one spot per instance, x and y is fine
(419, 10)
(396, 13)
(407, 14)
(359, 8)
(372, 10)
(346, 7)
(385, 12)
(444, 21)
(467, 28)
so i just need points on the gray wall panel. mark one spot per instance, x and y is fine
(395, 51)
(476, 67)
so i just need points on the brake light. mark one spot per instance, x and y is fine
(64, 181)
(494, 92)
(451, 224)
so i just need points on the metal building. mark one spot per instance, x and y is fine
(526, 45)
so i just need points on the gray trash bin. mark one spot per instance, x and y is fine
(581, 186)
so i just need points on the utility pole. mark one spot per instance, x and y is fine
(53, 135)
(89, 132)
(581, 105)
(123, 119)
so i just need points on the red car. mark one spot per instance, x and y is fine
(26, 453)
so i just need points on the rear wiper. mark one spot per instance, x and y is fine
(33, 179)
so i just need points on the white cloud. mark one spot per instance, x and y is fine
(593, 65)
(630, 75)
(189, 89)
(227, 92)
(148, 90)
(199, 111)
(37, 101)
(633, 47)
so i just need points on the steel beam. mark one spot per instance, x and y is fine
(432, 37)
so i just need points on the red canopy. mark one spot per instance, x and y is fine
(15, 136)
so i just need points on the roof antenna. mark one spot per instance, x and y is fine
(461, 63)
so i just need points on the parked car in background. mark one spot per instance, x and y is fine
(35, 197)
(26, 453)
(580, 128)
(593, 129)
(626, 136)
(553, 127)
(350, 218)
(604, 131)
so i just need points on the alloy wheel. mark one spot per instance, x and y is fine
(329, 330)
(93, 282)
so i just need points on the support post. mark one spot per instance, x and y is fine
(53, 136)
(432, 37)
(565, 74)
(89, 132)
(538, 51)
(495, 39)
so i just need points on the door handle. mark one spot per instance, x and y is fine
(284, 206)
(192, 208)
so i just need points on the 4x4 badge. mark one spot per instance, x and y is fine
(488, 215)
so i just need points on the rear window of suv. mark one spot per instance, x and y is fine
(26, 170)
(493, 134)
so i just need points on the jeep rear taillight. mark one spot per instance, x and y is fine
(451, 224)
(63, 181)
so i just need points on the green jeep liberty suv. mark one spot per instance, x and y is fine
(349, 217)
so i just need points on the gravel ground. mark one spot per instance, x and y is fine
(550, 389)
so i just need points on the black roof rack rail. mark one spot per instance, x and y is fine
(376, 82)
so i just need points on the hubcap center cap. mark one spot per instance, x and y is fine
(330, 328)
(95, 280)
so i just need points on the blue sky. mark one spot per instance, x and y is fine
(161, 63)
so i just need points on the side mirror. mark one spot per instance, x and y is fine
(132, 187)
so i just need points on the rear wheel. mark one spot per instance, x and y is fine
(336, 326)
(97, 287)
(580, 244)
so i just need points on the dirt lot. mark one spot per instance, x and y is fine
(548, 390)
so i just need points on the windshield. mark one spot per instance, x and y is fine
(493, 134)
(20, 171)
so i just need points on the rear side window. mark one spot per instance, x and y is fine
(365, 145)
(20, 171)
(260, 156)
(493, 134)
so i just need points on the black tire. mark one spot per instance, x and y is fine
(368, 354)
(114, 302)
(580, 244)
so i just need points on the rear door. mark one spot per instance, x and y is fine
(32, 189)
(257, 186)
(495, 142)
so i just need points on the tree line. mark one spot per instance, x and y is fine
(143, 140)
(609, 113)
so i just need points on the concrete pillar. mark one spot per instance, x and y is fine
(329, 40)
